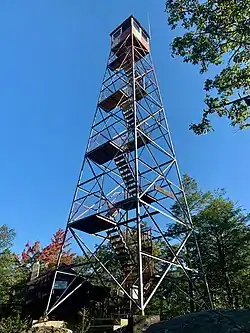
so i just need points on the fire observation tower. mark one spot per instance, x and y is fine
(128, 182)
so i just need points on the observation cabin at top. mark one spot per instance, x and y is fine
(130, 27)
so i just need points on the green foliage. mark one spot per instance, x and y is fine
(10, 271)
(224, 238)
(223, 234)
(6, 237)
(216, 33)
(196, 199)
(13, 324)
(11, 274)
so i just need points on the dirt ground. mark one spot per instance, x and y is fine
(217, 321)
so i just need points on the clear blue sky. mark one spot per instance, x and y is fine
(53, 56)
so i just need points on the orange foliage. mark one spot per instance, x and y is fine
(49, 254)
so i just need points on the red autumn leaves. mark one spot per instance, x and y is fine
(48, 255)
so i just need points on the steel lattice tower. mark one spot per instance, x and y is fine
(129, 180)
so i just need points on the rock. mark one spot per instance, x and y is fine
(216, 321)
(49, 327)
(48, 330)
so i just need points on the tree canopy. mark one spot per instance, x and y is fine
(7, 236)
(216, 33)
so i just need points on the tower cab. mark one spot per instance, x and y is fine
(131, 26)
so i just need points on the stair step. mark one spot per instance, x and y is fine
(129, 117)
(127, 175)
(131, 183)
(128, 111)
(132, 192)
(122, 161)
(118, 157)
(123, 167)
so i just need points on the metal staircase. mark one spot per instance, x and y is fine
(126, 173)
(118, 243)
(128, 114)
(123, 254)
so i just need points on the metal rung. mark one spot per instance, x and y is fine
(128, 114)
(131, 187)
(128, 179)
(132, 193)
(127, 176)
(128, 111)
(131, 184)
(126, 172)
(124, 169)
(120, 159)
(131, 181)
(122, 163)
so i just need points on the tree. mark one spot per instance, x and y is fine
(216, 32)
(223, 235)
(196, 199)
(7, 236)
(224, 238)
(48, 255)
(9, 272)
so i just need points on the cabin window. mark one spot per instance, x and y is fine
(136, 26)
(144, 36)
(60, 284)
(117, 33)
